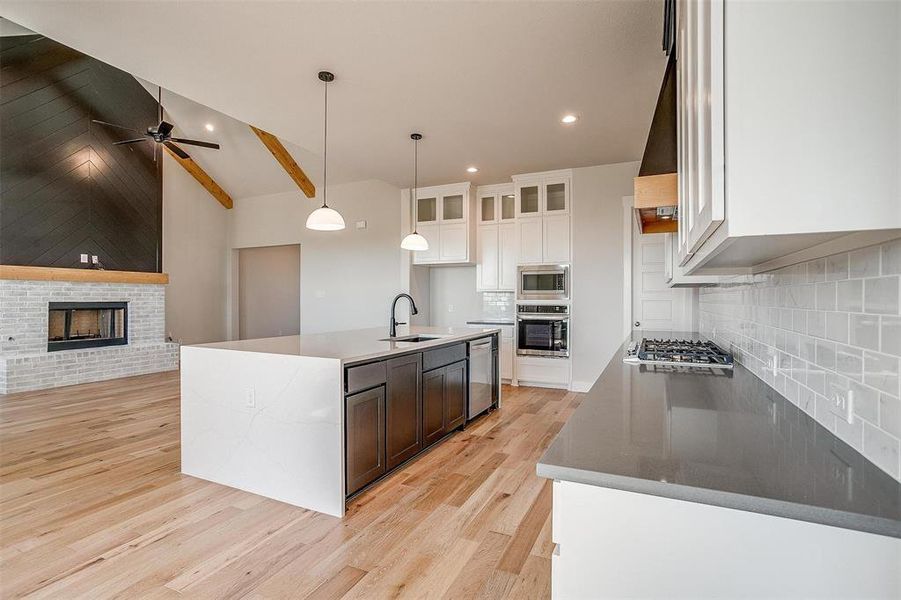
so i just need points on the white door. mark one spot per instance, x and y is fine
(556, 238)
(506, 236)
(452, 243)
(655, 306)
(487, 266)
(529, 236)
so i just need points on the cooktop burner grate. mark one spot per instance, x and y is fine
(684, 352)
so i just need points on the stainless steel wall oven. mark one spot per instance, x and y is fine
(542, 330)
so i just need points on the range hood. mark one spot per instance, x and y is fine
(656, 187)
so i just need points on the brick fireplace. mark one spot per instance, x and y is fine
(55, 333)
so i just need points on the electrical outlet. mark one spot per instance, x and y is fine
(250, 398)
(84, 259)
(94, 259)
(775, 364)
(361, 224)
(841, 405)
(450, 308)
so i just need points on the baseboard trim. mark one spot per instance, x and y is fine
(580, 386)
(543, 384)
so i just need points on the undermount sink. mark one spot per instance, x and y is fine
(412, 338)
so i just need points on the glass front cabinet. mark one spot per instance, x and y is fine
(443, 217)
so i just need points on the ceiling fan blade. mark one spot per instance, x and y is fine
(143, 139)
(114, 125)
(196, 143)
(164, 128)
(178, 151)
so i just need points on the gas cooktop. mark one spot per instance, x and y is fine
(678, 352)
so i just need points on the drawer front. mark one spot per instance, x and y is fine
(365, 376)
(432, 359)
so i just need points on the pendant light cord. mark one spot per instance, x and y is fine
(325, 149)
(415, 176)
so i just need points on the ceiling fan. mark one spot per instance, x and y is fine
(161, 134)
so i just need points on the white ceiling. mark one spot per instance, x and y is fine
(485, 82)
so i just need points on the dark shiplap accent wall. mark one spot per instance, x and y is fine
(64, 189)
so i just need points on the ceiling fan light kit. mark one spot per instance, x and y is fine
(325, 218)
(414, 241)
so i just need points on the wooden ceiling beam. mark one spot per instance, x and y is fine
(202, 178)
(287, 162)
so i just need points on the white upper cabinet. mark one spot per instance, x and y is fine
(496, 253)
(543, 222)
(785, 153)
(496, 203)
(507, 257)
(488, 265)
(443, 218)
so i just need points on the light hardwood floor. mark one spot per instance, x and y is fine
(93, 506)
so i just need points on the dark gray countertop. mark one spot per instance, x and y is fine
(725, 440)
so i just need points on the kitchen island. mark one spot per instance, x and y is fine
(312, 419)
(704, 482)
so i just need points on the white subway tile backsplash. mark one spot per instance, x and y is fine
(825, 296)
(831, 325)
(891, 258)
(837, 267)
(881, 372)
(881, 295)
(849, 295)
(891, 335)
(837, 326)
(865, 262)
(890, 414)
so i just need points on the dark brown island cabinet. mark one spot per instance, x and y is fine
(398, 407)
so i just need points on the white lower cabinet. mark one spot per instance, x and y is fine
(543, 372)
(555, 239)
(607, 542)
(529, 240)
(507, 351)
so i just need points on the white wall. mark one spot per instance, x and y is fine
(597, 267)
(454, 299)
(195, 254)
(347, 278)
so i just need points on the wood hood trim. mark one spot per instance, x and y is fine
(24, 273)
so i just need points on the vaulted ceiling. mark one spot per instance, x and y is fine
(485, 82)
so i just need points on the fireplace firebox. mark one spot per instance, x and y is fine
(86, 325)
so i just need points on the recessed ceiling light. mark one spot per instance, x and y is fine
(209, 127)
(472, 170)
(568, 119)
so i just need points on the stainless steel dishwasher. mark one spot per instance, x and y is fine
(481, 377)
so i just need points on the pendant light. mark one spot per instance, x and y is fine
(414, 241)
(325, 218)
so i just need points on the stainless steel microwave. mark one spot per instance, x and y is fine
(543, 282)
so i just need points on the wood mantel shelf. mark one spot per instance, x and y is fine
(82, 275)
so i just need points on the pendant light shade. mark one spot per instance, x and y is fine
(413, 241)
(325, 218)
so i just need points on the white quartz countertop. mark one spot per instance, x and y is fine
(352, 346)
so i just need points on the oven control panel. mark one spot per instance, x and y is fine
(542, 309)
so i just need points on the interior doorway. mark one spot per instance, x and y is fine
(268, 291)
(654, 305)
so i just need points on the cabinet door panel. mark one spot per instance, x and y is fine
(487, 276)
(453, 243)
(507, 358)
(431, 235)
(433, 405)
(365, 437)
(528, 200)
(506, 244)
(529, 236)
(556, 196)
(556, 238)
(403, 409)
(454, 395)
